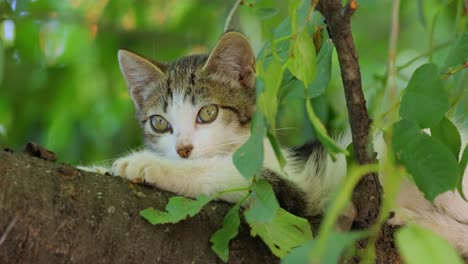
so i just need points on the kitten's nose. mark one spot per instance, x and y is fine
(184, 152)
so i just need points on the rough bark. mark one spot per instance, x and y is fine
(54, 213)
(368, 191)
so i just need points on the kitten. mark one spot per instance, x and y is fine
(196, 112)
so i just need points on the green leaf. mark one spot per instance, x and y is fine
(177, 209)
(447, 133)
(463, 161)
(321, 132)
(432, 165)
(461, 170)
(266, 12)
(260, 86)
(284, 233)
(223, 236)
(419, 245)
(283, 29)
(324, 62)
(425, 100)
(294, 4)
(264, 205)
(267, 101)
(302, 58)
(248, 159)
(458, 53)
(337, 243)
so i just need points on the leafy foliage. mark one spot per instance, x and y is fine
(264, 205)
(302, 58)
(59, 88)
(249, 158)
(177, 209)
(228, 231)
(432, 165)
(425, 89)
(419, 245)
(285, 232)
(447, 133)
(458, 54)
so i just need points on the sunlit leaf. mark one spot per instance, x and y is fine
(294, 4)
(302, 58)
(432, 165)
(263, 205)
(419, 245)
(177, 209)
(285, 232)
(424, 100)
(267, 101)
(283, 29)
(223, 236)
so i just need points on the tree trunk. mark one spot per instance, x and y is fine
(54, 213)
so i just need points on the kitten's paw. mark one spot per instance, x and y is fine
(121, 168)
(135, 168)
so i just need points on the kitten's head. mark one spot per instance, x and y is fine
(198, 106)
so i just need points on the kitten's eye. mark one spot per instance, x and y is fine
(207, 114)
(159, 124)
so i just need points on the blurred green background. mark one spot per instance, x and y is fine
(60, 84)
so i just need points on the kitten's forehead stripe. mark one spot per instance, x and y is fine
(168, 93)
(193, 99)
(196, 87)
(188, 92)
(192, 79)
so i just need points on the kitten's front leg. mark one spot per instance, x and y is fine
(185, 177)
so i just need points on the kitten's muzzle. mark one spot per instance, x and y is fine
(185, 151)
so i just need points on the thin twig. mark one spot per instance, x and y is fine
(8, 230)
(231, 15)
(425, 54)
(453, 71)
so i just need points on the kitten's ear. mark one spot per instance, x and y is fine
(233, 60)
(140, 74)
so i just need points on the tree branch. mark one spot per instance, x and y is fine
(54, 213)
(368, 191)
